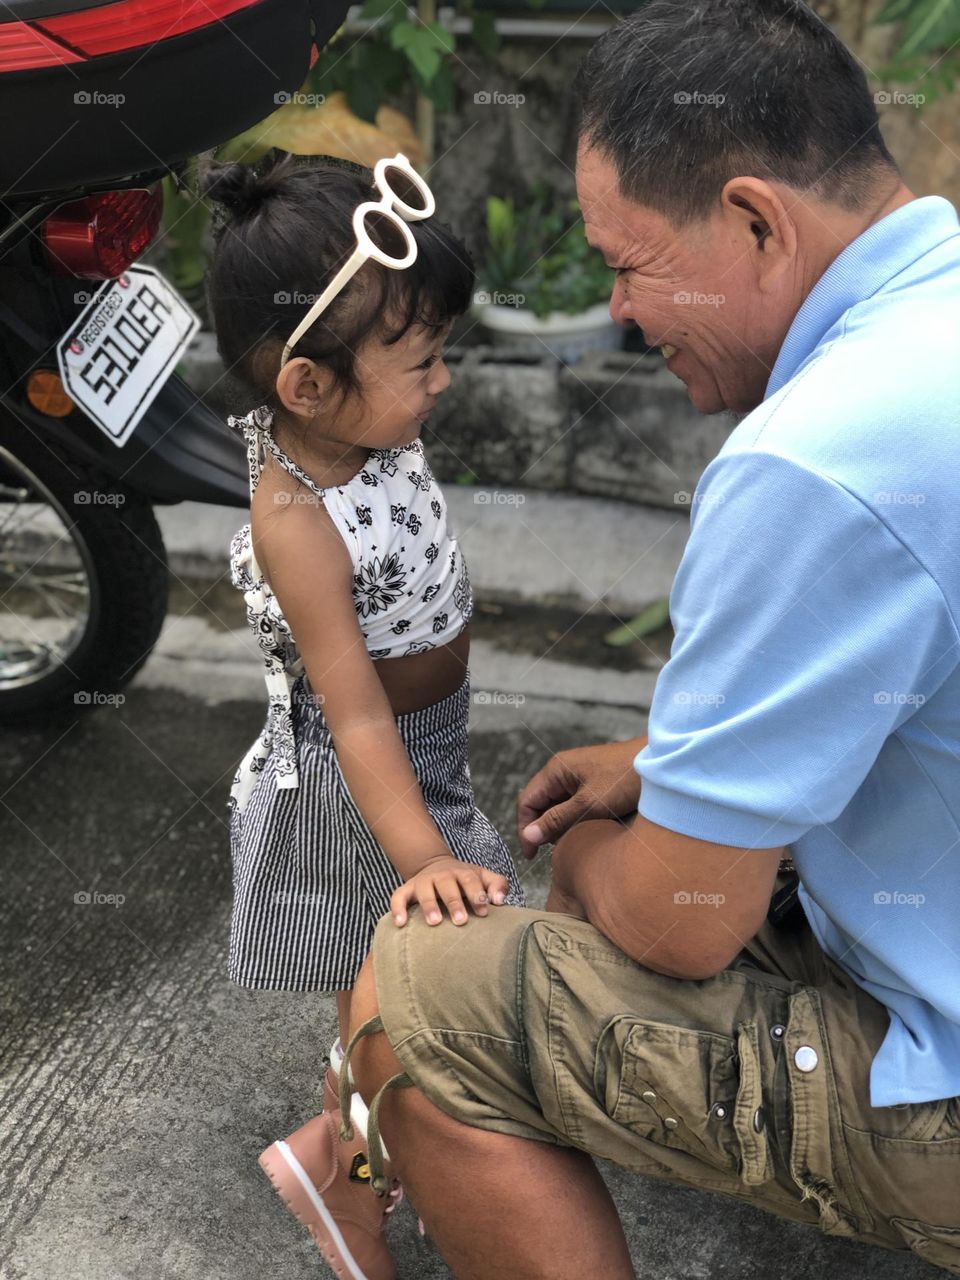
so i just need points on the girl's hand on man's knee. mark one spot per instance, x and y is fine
(450, 883)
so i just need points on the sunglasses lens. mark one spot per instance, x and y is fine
(404, 188)
(385, 234)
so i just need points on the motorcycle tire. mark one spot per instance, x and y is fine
(124, 560)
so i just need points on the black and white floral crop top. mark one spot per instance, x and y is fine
(411, 589)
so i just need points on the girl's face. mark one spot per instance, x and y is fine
(401, 384)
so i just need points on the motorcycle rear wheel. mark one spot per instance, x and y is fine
(83, 583)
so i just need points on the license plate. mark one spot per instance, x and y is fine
(118, 354)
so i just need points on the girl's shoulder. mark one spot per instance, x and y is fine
(402, 474)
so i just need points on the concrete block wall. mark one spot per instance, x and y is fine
(615, 425)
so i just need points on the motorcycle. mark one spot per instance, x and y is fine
(96, 427)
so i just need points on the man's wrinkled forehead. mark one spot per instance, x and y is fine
(613, 224)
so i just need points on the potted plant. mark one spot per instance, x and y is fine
(542, 286)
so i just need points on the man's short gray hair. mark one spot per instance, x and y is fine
(681, 97)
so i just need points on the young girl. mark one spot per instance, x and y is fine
(356, 797)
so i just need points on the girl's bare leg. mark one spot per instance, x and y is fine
(343, 1015)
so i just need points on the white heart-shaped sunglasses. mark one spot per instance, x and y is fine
(391, 215)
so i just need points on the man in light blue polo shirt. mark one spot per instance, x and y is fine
(670, 1011)
(812, 697)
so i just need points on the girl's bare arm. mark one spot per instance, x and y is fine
(310, 572)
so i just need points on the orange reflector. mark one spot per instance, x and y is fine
(45, 392)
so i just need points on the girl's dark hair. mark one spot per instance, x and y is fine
(683, 97)
(289, 231)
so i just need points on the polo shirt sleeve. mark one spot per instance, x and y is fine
(805, 633)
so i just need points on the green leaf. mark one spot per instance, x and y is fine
(364, 95)
(485, 34)
(441, 89)
(377, 8)
(402, 34)
(445, 39)
(425, 45)
(500, 226)
(424, 58)
(389, 65)
(893, 11)
(927, 24)
(651, 619)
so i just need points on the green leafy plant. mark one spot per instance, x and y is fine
(539, 252)
(927, 27)
(402, 47)
(927, 24)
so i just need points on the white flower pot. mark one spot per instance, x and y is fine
(567, 337)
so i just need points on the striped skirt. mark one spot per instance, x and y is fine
(310, 880)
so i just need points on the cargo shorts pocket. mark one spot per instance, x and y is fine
(693, 1091)
(938, 1245)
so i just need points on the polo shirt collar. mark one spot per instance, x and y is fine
(860, 270)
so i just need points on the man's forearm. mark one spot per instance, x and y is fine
(599, 872)
(675, 905)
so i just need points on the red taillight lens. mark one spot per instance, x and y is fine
(23, 47)
(126, 24)
(101, 235)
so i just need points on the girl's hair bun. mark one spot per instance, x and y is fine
(239, 188)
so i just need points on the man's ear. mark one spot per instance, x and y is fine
(302, 387)
(763, 225)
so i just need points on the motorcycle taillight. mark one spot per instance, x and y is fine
(100, 236)
(104, 28)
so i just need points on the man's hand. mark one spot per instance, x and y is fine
(587, 782)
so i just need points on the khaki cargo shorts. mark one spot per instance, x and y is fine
(753, 1083)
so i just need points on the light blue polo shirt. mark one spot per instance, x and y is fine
(812, 695)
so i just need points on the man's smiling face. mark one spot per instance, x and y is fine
(709, 289)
